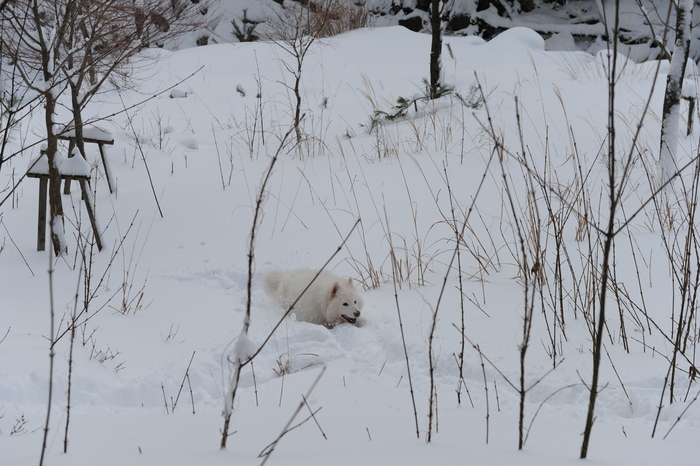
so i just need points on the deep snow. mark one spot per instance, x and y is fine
(190, 267)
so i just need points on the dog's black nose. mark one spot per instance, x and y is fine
(357, 313)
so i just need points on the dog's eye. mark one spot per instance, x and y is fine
(355, 302)
(345, 304)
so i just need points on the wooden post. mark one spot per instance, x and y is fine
(84, 187)
(43, 195)
(103, 154)
(108, 174)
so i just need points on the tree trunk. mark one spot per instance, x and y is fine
(77, 118)
(47, 42)
(435, 50)
(55, 200)
(598, 337)
(670, 119)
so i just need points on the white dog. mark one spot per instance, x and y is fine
(330, 300)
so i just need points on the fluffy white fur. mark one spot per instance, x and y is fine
(329, 301)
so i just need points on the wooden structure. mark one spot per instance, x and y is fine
(691, 113)
(92, 135)
(39, 169)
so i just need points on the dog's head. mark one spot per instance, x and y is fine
(344, 303)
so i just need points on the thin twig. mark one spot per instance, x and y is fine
(682, 413)
(661, 402)
(314, 417)
(498, 401)
(255, 383)
(143, 155)
(486, 391)
(185, 377)
(617, 374)
(462, 382)
(218, 158)
(16, 247)
(165, 398)
(478, 349)
(267, 451)
(403, 337)
(189, 384)
(529, 427)
(6, 334)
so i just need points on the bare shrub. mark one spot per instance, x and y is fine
(337, 16)
(295, 28)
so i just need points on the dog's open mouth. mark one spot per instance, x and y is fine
(350, 320)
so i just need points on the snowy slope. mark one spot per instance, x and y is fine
(185, 272)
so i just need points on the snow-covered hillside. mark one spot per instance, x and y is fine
(567, 24)
(167, 294)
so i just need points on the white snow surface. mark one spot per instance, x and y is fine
(92, 132)
(73, 166)
(169, 290)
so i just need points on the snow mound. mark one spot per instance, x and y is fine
(518, 37)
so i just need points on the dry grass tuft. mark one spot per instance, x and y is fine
(285, 366)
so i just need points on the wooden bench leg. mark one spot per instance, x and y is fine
(106, 167)
(84, 187)
(41, 230)
(691, 114)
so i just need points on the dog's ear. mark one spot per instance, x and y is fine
(350, 282)
(335, 289)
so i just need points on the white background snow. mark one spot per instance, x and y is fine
(184, 275)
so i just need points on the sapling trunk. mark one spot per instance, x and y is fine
(52, 354)
(458, 240)
(398, 310)
(432, 402)
(73, 323)
(240, 360)
(528, 272)
(608, 235)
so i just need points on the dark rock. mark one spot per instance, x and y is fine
(423, 5)
(414, 23)
(483, 5)
(458, 22)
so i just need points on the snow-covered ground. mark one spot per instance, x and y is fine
(150, 356)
